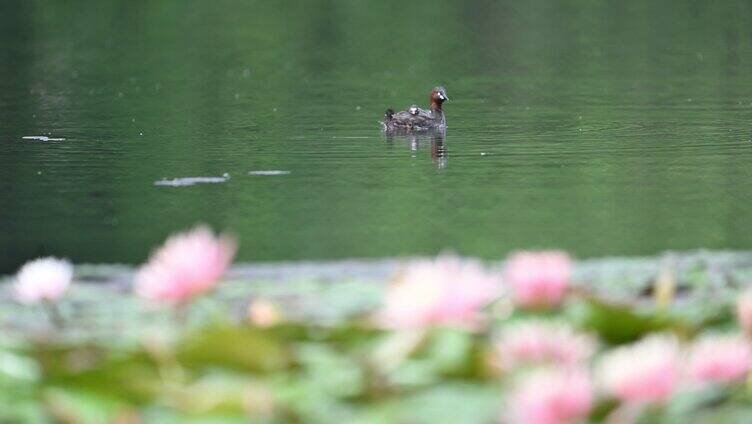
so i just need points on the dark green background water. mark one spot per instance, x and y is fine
(618, 127)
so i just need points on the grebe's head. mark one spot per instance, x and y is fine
(413, 110)
(438, 95)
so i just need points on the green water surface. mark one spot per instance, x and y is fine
(601, 127)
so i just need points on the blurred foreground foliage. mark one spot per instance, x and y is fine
(224, 371)
(236, 373)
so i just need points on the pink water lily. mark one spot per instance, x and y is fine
(445, 291)
(189, 264)
(720, 359)
(538, 279)
(644, 372)
(552, 396)
(538, 341)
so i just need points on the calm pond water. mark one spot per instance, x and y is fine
(599, 127)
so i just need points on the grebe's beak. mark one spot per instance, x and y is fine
(443, 96)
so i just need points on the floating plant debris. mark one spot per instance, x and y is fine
(270, 172)
(189, 181)
(42, 138)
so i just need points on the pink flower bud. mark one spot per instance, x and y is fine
(744, 311)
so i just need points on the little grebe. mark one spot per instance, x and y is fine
(417, 119)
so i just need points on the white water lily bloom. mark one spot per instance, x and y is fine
(44, 279)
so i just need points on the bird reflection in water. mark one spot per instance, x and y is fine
(437, 139)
